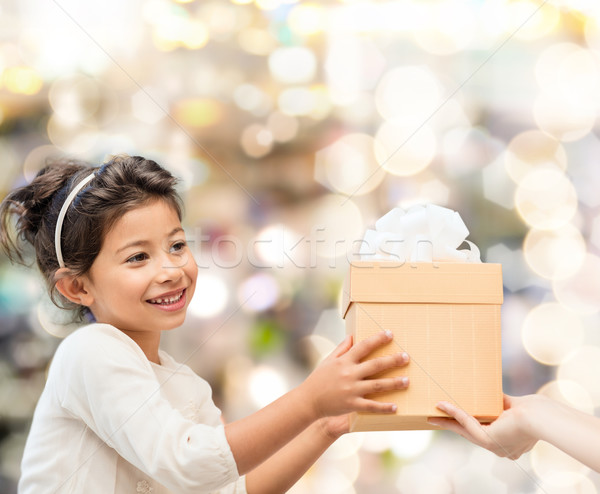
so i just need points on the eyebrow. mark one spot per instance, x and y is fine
(141, 243)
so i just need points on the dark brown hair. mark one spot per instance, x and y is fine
(120, 185)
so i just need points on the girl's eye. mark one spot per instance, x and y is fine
(138, 258)
(178, 246)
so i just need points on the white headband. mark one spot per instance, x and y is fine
(62, 214)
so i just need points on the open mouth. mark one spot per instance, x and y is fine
(166, 301)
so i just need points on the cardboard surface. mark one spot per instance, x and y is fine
(446, 316)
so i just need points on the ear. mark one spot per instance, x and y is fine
(74, 288)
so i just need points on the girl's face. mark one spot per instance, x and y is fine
(144, 276)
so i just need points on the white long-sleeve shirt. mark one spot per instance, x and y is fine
(111, 421)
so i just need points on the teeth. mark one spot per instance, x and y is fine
(169, 300)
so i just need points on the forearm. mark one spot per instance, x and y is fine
(255, 438)
(280, 472)
(570, 430)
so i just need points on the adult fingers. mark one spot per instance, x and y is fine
(449, 424)
(469, 424)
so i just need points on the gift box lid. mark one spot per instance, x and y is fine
(438, 282)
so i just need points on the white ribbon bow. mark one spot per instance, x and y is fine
(420, 234)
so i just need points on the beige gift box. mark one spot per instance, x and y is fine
(446, 316)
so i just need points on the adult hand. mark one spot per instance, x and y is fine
(508, 436)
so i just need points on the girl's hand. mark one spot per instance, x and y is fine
(339, 384)
(334, 427)
(508, 436)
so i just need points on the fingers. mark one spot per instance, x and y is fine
(372, 386)
(465, 425)
(343, 347)
(368, 345)
(370, 406)
(448, 424)
(380, 364)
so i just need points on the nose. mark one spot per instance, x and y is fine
(171, 267)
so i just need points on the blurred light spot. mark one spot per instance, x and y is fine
(21, 80)
(547, 460)
(554, 254)
(222, 19)
(36, 159)
(353, 65)
(410, 444)
(265, 385)
(71, 137)
(412, 93)
(331, 326)
(283, 127)
(349, 165)
(177, 29)
(567, 482)
(337, 224)
(403, 147)
(266, 337)
(210, 297)
(376, 441)
(256, 41)
(279, 246)
(321, 102)
(451, 27)
(307, 19)
(569, 70)
(260, 292)
(581, 291)
(148, 107)
(595, 232)
(592, 31)
(474, 475)
(54, 320)
(319, 349)
(200, 112)
(420, 479)
(531, 149)
(296, 101)
(570, 393)
(497, 186)
(568, 76)
(529, 21)
(268, 4)
(583, 367)
(345, 447)
(252, 99)
(567, 119)
(435, 192)
(256, 140)
(551, 333)
(293, 65)
(74, 98)
(515, 272)
(466, 149)
(546, 199)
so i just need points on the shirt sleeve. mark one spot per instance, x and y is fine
(109, 384)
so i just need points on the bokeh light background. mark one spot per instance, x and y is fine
(294, 125)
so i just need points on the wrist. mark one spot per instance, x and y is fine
(330, 429)
(529, 412)
(306, 406)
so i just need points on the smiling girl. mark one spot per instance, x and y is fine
(120, 415)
